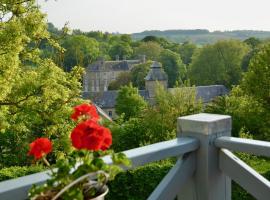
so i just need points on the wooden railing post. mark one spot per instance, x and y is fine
(208, 182)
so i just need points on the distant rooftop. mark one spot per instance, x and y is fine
(156, 73)
(107, 99)
(116, 65)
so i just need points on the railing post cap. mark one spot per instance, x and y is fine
(204, 123)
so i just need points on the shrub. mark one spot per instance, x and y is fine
(139, 183)
(247, 113)
(128, 134)
(16, 171)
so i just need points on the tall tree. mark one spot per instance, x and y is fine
(249, 103)
(80, 50)
(173, 66)
(256, 81)
(254, 45)
(186, 51)
(138, 73)
(124, 78)
(120, 49)
(151, 50)
(253, 42)
(129, 102)
(219, 63)
(36, 96)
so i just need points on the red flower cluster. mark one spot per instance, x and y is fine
(85, 110)
(40, 147)
(89, 134)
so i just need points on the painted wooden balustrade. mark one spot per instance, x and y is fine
(204, 168)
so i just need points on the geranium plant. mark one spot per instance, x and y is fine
(73, 175)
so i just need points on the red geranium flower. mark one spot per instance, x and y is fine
(107, 138)
(40, 147)
(87, 110)
(81, 131)
(90, 135)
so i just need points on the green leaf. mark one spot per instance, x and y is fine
(121, 158)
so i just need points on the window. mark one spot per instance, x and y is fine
(110, 113)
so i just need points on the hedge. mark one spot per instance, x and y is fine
(139, 183)
(17, 171)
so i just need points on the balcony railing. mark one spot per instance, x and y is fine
(204, 168)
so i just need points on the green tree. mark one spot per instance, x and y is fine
(150, 38)
(248, 103)
(129, 102)
(219, 63)
(126, 38)
(160, 120)
(138, 73)
(186, 51)
(164, 43)
(151, 50)
(122, 79)
(98, 35)
(173, 66)
(36, 96)
(121, 49)
(248, 115)
(256, 81)
(80, 50)
(254, 45)
(157, 122)
(253, 42)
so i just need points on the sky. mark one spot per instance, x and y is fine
(130, 16)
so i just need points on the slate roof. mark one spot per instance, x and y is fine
(121, 65)
(156, 73)
(208, 93)
(107, 99)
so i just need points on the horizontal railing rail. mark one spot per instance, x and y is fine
(255, 147)
(17, 188)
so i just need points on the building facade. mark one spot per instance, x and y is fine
(106, 100)
(100, 74)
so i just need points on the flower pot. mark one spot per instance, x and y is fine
(51, 194)
(104, 192)
(101, 188)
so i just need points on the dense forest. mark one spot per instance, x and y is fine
(222, 62)
(41, 68)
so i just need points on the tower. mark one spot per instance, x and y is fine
(155, 76)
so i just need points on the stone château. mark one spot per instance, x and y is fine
(106, 99)
(101, 73)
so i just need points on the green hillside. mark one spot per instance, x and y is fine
(202, 36)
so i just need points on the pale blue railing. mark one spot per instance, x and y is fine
(204, 168)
